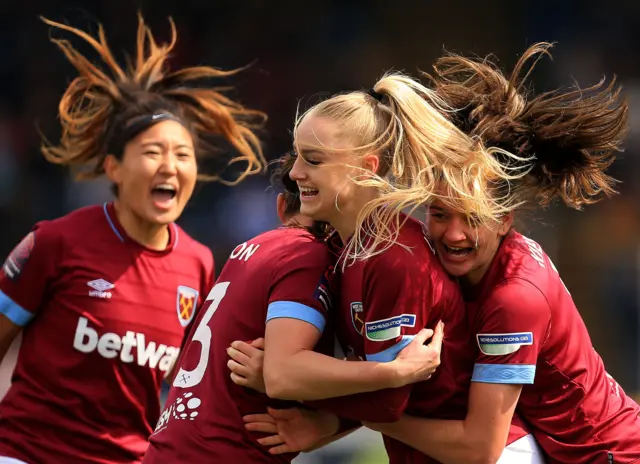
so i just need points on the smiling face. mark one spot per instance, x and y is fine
(464, 250)
(324, 172)
(157, 173)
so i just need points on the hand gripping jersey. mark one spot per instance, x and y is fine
(103, 321)
(384, 301)
(529, 332)
(281, 273)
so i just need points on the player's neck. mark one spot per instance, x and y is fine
(149, 235)
(472, 279)
(475, 276)
(344, 227)
(346, 217)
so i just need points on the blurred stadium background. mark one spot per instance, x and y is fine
(303, 50)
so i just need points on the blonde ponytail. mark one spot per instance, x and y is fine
(423, 155)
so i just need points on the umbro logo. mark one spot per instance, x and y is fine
(100, 287)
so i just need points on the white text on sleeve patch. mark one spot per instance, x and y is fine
(500, 344)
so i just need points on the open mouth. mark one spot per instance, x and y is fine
(307, 193)
(457, 252)
(163, 195)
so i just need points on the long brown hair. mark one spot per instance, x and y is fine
(570, 136)
(100, 104)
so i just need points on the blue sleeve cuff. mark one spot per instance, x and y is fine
(293, 310)
(515, 374)
(391, 353)
(13, 311)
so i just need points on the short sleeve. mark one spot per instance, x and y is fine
(302, 286)
(28, 272)
(397, 302)
(512, 325)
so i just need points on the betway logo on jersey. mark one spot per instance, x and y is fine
(132, 347)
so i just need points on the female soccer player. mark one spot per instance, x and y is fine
(534, 349)
(391, 284)
(289, 273)
(103, 294)
(282, 275)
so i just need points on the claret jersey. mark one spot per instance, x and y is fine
(282, 273)
(529, 332)
(103, 318)
(384, 301)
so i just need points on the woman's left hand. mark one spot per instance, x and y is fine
(246, 364)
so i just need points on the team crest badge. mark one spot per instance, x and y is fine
(186, 304)
(357, 317)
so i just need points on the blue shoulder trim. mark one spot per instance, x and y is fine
(13, 311)
(504, 373)
(293, 310)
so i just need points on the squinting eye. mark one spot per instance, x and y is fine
(153, 153)
(184, 155)
(436, 214)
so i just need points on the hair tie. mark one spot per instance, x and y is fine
(377, 95)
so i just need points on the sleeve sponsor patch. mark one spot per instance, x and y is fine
(501, 344)
(19, 256)
(388, 329)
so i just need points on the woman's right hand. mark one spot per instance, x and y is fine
(292, 429)
(417, 361)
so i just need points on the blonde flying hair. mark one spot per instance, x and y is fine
(100, 104)
(420, 150)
